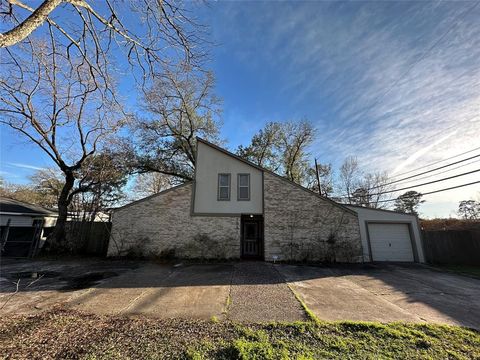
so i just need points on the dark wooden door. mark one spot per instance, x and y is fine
(252, 237)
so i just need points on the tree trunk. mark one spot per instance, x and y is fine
(31, 23)
(57, 238)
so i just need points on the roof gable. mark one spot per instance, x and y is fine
(230, 154)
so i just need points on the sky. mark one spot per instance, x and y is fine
(396, 84)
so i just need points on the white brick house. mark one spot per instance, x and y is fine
(235, 209)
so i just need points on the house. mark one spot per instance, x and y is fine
(236, 209)
(24, 227)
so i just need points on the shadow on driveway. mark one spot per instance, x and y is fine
(243, 291)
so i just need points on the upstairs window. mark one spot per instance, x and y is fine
(243, 190)
(223, 187)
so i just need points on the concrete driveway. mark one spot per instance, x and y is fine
(386, 293)
(241, 291)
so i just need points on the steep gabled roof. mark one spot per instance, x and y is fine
(374, 209)
(151, 196)
(8, 205)
(228, 153)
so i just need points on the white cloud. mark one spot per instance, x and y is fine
(395, 97)
(25, 166)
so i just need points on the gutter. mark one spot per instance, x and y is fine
(28, 214)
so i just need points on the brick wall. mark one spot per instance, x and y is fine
(298, 226)
(301, 226)
(162, 223)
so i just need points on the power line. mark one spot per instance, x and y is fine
(425, 172)
(436, 162)
(445, 171)
(423, 184)
(422, 173)
(395, 83)
(436, 191)
(432, 170)
(428, 183)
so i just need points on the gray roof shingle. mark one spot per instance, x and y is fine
(8, 205)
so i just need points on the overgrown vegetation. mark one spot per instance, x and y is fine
(73, 335)
(449, 224)
(200, 247)
(463, 269)
(317, 235)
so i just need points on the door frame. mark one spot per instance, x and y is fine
(259, 220)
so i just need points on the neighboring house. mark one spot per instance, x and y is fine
(23, 227)
(236, 209)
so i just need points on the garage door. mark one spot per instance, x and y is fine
(390, 242)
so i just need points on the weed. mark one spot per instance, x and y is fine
(70, 334)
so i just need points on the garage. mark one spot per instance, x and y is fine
(389, 235)
(390, 242)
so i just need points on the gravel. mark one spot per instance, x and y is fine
(259, 294)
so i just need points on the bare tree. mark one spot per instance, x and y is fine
(325, 174)
(180, 106)
(104, 175)
(43, 190)
(94, 30)
(56, 103)
(47, 184)
(152, 183)
(469, 209)
(371, 190)
(296, 137)
(29, 193)
(57, 81)
(361, 188)
(349, 177)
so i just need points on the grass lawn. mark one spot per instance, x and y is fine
(463, 269)
(64, 333)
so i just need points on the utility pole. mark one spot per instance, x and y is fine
(318, 178)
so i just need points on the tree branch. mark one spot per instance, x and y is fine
(26, 27)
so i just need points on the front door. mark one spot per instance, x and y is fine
(252, 236)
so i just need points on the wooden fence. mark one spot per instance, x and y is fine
(459, 247)
(88, 238)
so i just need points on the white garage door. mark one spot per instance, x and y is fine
(390, 242)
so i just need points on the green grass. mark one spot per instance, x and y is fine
(463, 269)
(353, 340)
(309, 313)
(68, 334)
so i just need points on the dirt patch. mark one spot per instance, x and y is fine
(66, 334)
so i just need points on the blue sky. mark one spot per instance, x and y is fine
(395, 83)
